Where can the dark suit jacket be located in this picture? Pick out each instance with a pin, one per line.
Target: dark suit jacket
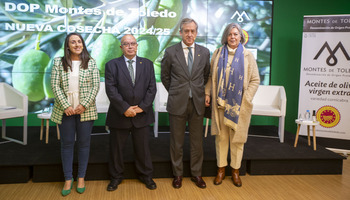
(122, 94)
(178, 81)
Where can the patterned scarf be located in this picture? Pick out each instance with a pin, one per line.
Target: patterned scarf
(230, 91)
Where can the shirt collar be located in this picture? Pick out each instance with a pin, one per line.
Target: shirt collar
(184, 46)
(126, 59)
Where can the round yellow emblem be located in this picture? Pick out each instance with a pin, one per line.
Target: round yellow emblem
(328, 116)
(246, 35)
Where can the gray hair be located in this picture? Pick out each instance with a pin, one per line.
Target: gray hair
(228, 30)
(186, 21)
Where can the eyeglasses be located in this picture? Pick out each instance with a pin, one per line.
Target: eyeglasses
(129, 44)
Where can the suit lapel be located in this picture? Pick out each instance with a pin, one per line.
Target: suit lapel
(181, 58)
(139, 68)
(196, 58)
(81, 75)
(124, 68)
(65, 78)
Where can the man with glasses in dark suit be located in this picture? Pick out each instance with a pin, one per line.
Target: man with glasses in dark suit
(131, 88)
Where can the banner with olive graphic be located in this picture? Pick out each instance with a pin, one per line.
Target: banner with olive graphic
(324, 87)
(32, 34)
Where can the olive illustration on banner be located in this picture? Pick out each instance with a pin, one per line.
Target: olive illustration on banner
(27, 74)
(106, 48)
(170, 6)
(148, 47)
(47, 76)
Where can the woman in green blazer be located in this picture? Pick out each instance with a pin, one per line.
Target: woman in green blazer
(75, 81)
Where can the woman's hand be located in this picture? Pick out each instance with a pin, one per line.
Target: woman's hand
(69, 111)
(207, 100)
(79, 109)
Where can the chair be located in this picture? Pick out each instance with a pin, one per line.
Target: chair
(271, 100)
(102, 101)
(160, 102)
(13, 104)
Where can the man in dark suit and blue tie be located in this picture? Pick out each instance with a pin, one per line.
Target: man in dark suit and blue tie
(184, 72)
(131, 88)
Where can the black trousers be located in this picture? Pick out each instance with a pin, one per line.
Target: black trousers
(143, 161)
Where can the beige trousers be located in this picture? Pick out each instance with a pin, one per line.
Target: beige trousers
(223, 142)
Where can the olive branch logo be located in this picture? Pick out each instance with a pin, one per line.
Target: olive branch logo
(332, 53)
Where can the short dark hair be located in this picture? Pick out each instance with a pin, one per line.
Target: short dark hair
(227, 31)
(186, 21)
(66, 59)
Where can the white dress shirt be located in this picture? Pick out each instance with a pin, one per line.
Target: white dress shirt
(184, 47)
(133, 64)
(73, 90)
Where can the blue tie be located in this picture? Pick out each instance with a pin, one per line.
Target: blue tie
(190, 63)
(190, 59)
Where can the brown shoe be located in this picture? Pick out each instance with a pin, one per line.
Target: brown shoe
(177, 182)
(220, 176)
(235, 178)
(199, 181)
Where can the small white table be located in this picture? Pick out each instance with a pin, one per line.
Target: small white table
(308, 123)
(46, 116)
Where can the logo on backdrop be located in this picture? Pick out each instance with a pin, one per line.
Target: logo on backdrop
(240, 16)
(332, 60)
(246, 36)
(328, 116)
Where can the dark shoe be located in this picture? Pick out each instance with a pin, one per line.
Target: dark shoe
(220, 176)
(177, 182)
(198, 181)
(113, 185)
(66, 192)
(150, 184)
(235, 178)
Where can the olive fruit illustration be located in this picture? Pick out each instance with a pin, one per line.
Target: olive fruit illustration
(170, 6)
(106, 48)
(148, 47)
(47, 76)
(27, 74)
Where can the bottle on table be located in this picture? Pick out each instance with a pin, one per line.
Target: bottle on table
(51, 108)
(307, 115)
(314, 119)
(48, 110)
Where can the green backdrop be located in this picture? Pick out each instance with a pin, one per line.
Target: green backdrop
(286, 54)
